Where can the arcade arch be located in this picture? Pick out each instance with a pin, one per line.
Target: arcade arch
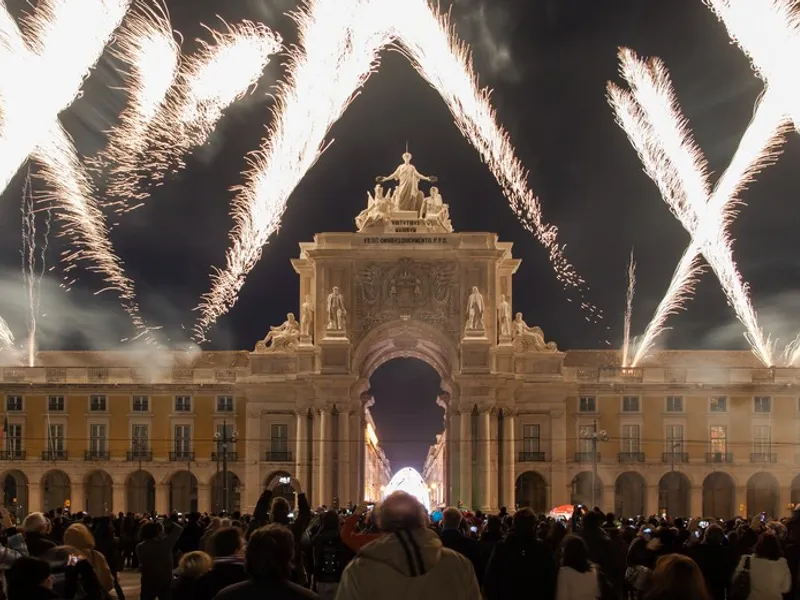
(99, 493)
(183, 492)
(234, 489)
(763, 495)
(15, 492)
(719, 495)
(56, 489)
(629, 494)
(532, 492)
(674, 494)
(582, 489)
(141, 492)
(283, 485)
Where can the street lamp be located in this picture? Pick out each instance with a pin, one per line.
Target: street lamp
(595, 437)
(222, 449)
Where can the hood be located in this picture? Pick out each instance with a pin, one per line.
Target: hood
(403, 551)
(79, 536)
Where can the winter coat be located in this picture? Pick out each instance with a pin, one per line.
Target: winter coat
(253, 589)
(408, 565)
(225, 571)
(79, 537)
(573, 585)
(520, 562)
(769, 579)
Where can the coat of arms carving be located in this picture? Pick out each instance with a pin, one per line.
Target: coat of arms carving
(404, 290)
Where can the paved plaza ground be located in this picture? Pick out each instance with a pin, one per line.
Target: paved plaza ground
(129, 580)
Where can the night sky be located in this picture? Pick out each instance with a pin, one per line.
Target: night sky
(548, 62)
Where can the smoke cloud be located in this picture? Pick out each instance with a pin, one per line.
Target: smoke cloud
(485, 26)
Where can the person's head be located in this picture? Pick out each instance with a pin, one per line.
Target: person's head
(406, 157)
(768, 546)
(401, 510)
(226, 541)
(226, 522)
(574, 554)
(28, 573)
(290, 317)
(451, 518)
(279, 512)
(214, 524)
(150, 531)
(79, 536)
(713, 535)
(677, 576)
(269, 553)
(592, 520)
(524, 522)
(747, 539)
(194, 564)
(330, 521)
(35, 522)
(494, 524)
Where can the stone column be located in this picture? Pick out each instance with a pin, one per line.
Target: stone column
(77, 497)
(343, 440)
(696, 500)
(301, 449)
(651, 506)
(322, 460)
(119, 498)
(740, 501)
(465, 466)
(35, 499)
(162, 498)
(204, 497)
(252, 471)
(452, 437)
(560, 491)
(509, 460)
(484, 459)
(494, 460)
(357, 458)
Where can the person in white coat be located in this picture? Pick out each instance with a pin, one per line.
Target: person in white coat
(578, 578)
(769, 572)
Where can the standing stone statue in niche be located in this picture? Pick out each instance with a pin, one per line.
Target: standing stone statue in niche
(337, 314)
(475, 308)
(407, 195)
(504, 318)
(306, 317)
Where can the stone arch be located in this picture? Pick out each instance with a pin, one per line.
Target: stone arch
(763, 494)
(140, 489)
(283, 485)
(99, 493)
(795, 491)
(719, 495)
(531, 490)
(183, 492)
(582, 489)
(15, 492)
(674, 494)
(217, 488)
(630, 492)
(56, 490)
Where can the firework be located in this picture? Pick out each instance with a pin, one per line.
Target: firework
(650, 116)
(6, 337)
(338, 51)
(65, 38)
(626, 342)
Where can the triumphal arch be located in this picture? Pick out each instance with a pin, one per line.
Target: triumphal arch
(404, 284)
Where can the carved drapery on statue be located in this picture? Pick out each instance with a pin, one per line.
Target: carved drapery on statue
(530, 339)
(337, 313)
(504, 319)
(475, 309)
(306, 319)
(406, 289)
(284, 337)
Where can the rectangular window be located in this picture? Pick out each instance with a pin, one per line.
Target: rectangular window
(762, 404)
(531, 440)
(140, 440)
(631, 440)
(675, 404)
(675, 444)
(56, 439)
(97, 404)
(55, 403)
(97, 439)
(183, 404)
(585, 444)
(630, 404)
(587, 404)
(13, 403)
(224, 431)
(14, 439)
(719, 439)
(225, 404)
(141, 404)
(279, 438)
(183, 440)
(718, 404)
(762, 439)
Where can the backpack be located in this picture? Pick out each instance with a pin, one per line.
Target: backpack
(741, 585)
(330, 558)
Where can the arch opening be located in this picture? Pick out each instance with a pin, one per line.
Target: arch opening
(531, 491)
(719, 496)
(629, 494)
(218, 492)
(183, 492)
(99, 493)
(763, 495)
(56, 490)
(141, 492)
(15, 493)
(582, 490)
(674, 494)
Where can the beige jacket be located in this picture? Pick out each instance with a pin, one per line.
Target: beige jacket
(389, 568)
(79, 537)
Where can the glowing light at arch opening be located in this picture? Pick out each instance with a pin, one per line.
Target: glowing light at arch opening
(410, 481)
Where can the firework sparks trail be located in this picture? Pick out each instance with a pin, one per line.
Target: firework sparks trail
(338, 51)
(64, 39)
(626, 341)
(34, 263)
(6, 337)
(650, 116)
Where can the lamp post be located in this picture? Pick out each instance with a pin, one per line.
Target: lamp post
(222, 448)
(595, 437)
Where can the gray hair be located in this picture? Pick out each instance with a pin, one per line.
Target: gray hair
(35, 522)
(401, 511)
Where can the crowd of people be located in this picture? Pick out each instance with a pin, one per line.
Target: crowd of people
(397, 550)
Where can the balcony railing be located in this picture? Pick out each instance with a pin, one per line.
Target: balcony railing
(12, 455)
(181, 456)
(54, 455)
(675, 457)
(587, 456)
(532, 457)
(719, 457)
(96, 455)
(143, 455)
(763, 457)
(283, 456)
(217, 456)
(631, 457)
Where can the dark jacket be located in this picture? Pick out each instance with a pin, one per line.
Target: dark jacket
(225, 571)
(519, 565)
(717, 563)
(263, 590)
(190, 537)
(330, 556)
(466, 547)
(37, 544)
(184, 588)
(603, 553)
(156, 556)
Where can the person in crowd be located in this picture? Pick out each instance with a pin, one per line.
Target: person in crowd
(30, 578)
(107, 543)
(205, 539)
(191, 534)
(577, 576)
(452, 538)
(74, 576)
(716, 560)
(677, 577)
(407, 561)
(155, 553)
(521, 562)
(601, 552)
(36, 527)
(769, 572)
(227, 552)
(268, 562)
(128, 533)
(191, 568)
(492, 534)
(79, 537)
(354, 539)
(330, 556)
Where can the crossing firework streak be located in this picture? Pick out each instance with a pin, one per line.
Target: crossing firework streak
(626, 336)
(6, 337)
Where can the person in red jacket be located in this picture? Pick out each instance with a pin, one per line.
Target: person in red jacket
(355, 540)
